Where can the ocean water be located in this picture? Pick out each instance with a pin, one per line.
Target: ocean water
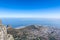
(19, 22)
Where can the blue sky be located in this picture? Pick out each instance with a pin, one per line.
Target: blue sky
(29, 8)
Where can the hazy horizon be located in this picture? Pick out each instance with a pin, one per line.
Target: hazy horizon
(20, 22)
(30, 12)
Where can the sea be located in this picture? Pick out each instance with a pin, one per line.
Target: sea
(20, 22)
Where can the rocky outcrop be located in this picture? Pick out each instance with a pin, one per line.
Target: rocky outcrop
(10, 37)
(3, 33)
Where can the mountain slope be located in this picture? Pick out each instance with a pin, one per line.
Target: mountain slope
(35, 32)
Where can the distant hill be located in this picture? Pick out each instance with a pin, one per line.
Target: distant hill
(35, 32)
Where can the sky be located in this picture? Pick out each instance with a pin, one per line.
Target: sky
(30, 9)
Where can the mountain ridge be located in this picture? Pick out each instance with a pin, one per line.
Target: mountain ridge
(35, 32)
